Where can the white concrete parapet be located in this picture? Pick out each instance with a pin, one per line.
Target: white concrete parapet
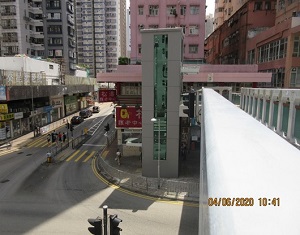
(245, 159)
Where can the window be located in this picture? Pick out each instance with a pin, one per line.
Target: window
(153, 10)
(267, 5)
(141, 10)
(54, 29)
(154, 26)
(182, 10)
(50, 66)
(171, 10)
(258, 6)
(193, 49)
(194, 30)
(296, 49)
(54, 16)
(194, 10)
(55, 41)
(53, 4)
(140, 48)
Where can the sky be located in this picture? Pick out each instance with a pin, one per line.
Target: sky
(210, 6)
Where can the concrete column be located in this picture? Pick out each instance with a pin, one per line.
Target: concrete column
(249, 104)
(242, 101)
(279, 118)
(258, 108)
(246, 103)
(271, 111)
(263, 116)
(253, 106)
(291, 122)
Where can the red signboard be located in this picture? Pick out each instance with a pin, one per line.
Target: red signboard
(128, 117)
(107, 95)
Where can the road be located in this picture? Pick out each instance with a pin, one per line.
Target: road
(41, 198)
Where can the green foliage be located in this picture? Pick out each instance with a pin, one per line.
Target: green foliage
(124, 61)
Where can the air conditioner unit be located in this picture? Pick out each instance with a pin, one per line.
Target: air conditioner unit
(141, 26)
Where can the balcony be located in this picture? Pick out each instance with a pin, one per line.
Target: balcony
(35, 10)
(71, 19)
(36, 34)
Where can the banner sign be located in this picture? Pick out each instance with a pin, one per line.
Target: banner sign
(107, 95)
(3, 108)
(128, 117)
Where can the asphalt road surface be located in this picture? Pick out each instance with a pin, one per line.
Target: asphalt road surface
(37, 197)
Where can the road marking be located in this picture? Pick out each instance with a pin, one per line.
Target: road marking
(152, 198)
(96, 145)
(35, 142)
(104, 154)
(92, 154)
(73, 155)
(80, 156)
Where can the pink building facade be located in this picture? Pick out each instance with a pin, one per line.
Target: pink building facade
(187, 14)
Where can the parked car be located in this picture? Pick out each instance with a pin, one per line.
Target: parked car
(85, 113)
(95, 109)
(76, 120)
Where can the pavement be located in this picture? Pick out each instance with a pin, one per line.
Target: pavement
(185, 187)
(129, 175)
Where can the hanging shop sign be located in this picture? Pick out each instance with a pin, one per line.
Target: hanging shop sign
(2, 93)
(3, 108)
(107, 95)
(128, 117)
(7, 116)
(18, 115)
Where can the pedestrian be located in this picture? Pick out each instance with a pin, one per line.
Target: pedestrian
(64, 137)
(49, 139)
(59, 136)
(118, 157)
(49, 156)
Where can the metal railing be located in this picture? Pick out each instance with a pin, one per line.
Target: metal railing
(169, 187)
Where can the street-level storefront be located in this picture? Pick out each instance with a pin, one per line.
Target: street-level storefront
(129, 131)
(71, 105)
(57, 108)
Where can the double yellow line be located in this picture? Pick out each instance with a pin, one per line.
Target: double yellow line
(164, 200)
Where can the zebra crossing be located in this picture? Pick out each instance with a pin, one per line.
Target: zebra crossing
(38, 143)
(79, 156)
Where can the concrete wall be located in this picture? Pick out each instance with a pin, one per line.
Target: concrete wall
(168, 167)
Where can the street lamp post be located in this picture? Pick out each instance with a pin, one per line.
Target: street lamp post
(158, 157)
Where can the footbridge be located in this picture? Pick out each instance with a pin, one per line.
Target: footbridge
(250, 164)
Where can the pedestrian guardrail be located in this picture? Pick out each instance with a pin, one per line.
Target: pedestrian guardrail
(169, 187)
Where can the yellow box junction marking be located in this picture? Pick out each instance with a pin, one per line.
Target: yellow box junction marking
(80, 156)
(92, 154)
(73, 155)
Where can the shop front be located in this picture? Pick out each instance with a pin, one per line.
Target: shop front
(71, 105)
(57, 108)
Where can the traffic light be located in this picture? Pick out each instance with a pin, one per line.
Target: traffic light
(71, 127)
(114, 222)
(106, 127)
(68, 125)
(190, 104)
(97, 226)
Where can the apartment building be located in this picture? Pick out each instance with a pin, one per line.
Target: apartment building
(38, 28)
(152, 14)
(15, 30)
(101, 34)
(266, 33)
(224, 9)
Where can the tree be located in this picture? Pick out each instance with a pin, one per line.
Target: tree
(124, 61)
